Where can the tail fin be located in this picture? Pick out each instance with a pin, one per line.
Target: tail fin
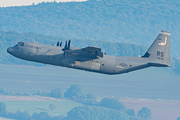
(159, 52)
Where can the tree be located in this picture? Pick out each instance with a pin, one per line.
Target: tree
(35, 115)
(60, 117)
(56, 93)
(52, 107)
(41, 116)
(3, 110)
(91, 96)
(74, 91)
(144, 113)
(131, 112)
(96, 113)
(39, 92)
(11, 92)
(22, 115)
(2, 91)
(113, 104)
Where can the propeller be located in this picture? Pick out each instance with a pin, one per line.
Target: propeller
(66, 47)
(69, 42)
(58, 43)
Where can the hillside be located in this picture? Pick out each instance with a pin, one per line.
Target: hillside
(132, 21)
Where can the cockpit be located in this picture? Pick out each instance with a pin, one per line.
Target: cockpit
(20, 44)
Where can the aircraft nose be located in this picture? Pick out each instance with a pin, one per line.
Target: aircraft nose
(10, 50)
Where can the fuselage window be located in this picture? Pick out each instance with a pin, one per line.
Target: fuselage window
(20, 44)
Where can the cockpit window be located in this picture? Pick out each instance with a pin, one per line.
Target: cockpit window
(20, 44)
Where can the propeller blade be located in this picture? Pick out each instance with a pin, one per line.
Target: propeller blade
(69, 42)
(65, 47)
(58, 43)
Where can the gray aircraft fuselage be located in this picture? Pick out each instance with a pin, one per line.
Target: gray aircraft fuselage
(54, 55)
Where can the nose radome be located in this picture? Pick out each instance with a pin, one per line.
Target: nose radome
(9, 50)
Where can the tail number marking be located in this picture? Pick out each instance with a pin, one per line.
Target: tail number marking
(160, 55)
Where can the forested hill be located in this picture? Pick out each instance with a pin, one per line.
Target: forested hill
(130, 21)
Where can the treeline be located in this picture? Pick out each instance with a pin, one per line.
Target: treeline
(25, 115)
(132, 21)
(74, 93)
(107, 112)
(113, 20)
(106, 109)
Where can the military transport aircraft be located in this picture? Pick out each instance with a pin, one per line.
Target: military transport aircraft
(92, 59)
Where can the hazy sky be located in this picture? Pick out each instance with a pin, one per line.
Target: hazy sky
(6, 3)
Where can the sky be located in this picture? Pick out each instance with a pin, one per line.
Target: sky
(8, 3)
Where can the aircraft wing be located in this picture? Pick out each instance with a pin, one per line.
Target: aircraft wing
(93, 51)
(90, 52)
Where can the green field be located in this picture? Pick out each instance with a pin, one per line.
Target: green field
(41, 106)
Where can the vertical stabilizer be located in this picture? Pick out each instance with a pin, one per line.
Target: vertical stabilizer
(159, 52)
